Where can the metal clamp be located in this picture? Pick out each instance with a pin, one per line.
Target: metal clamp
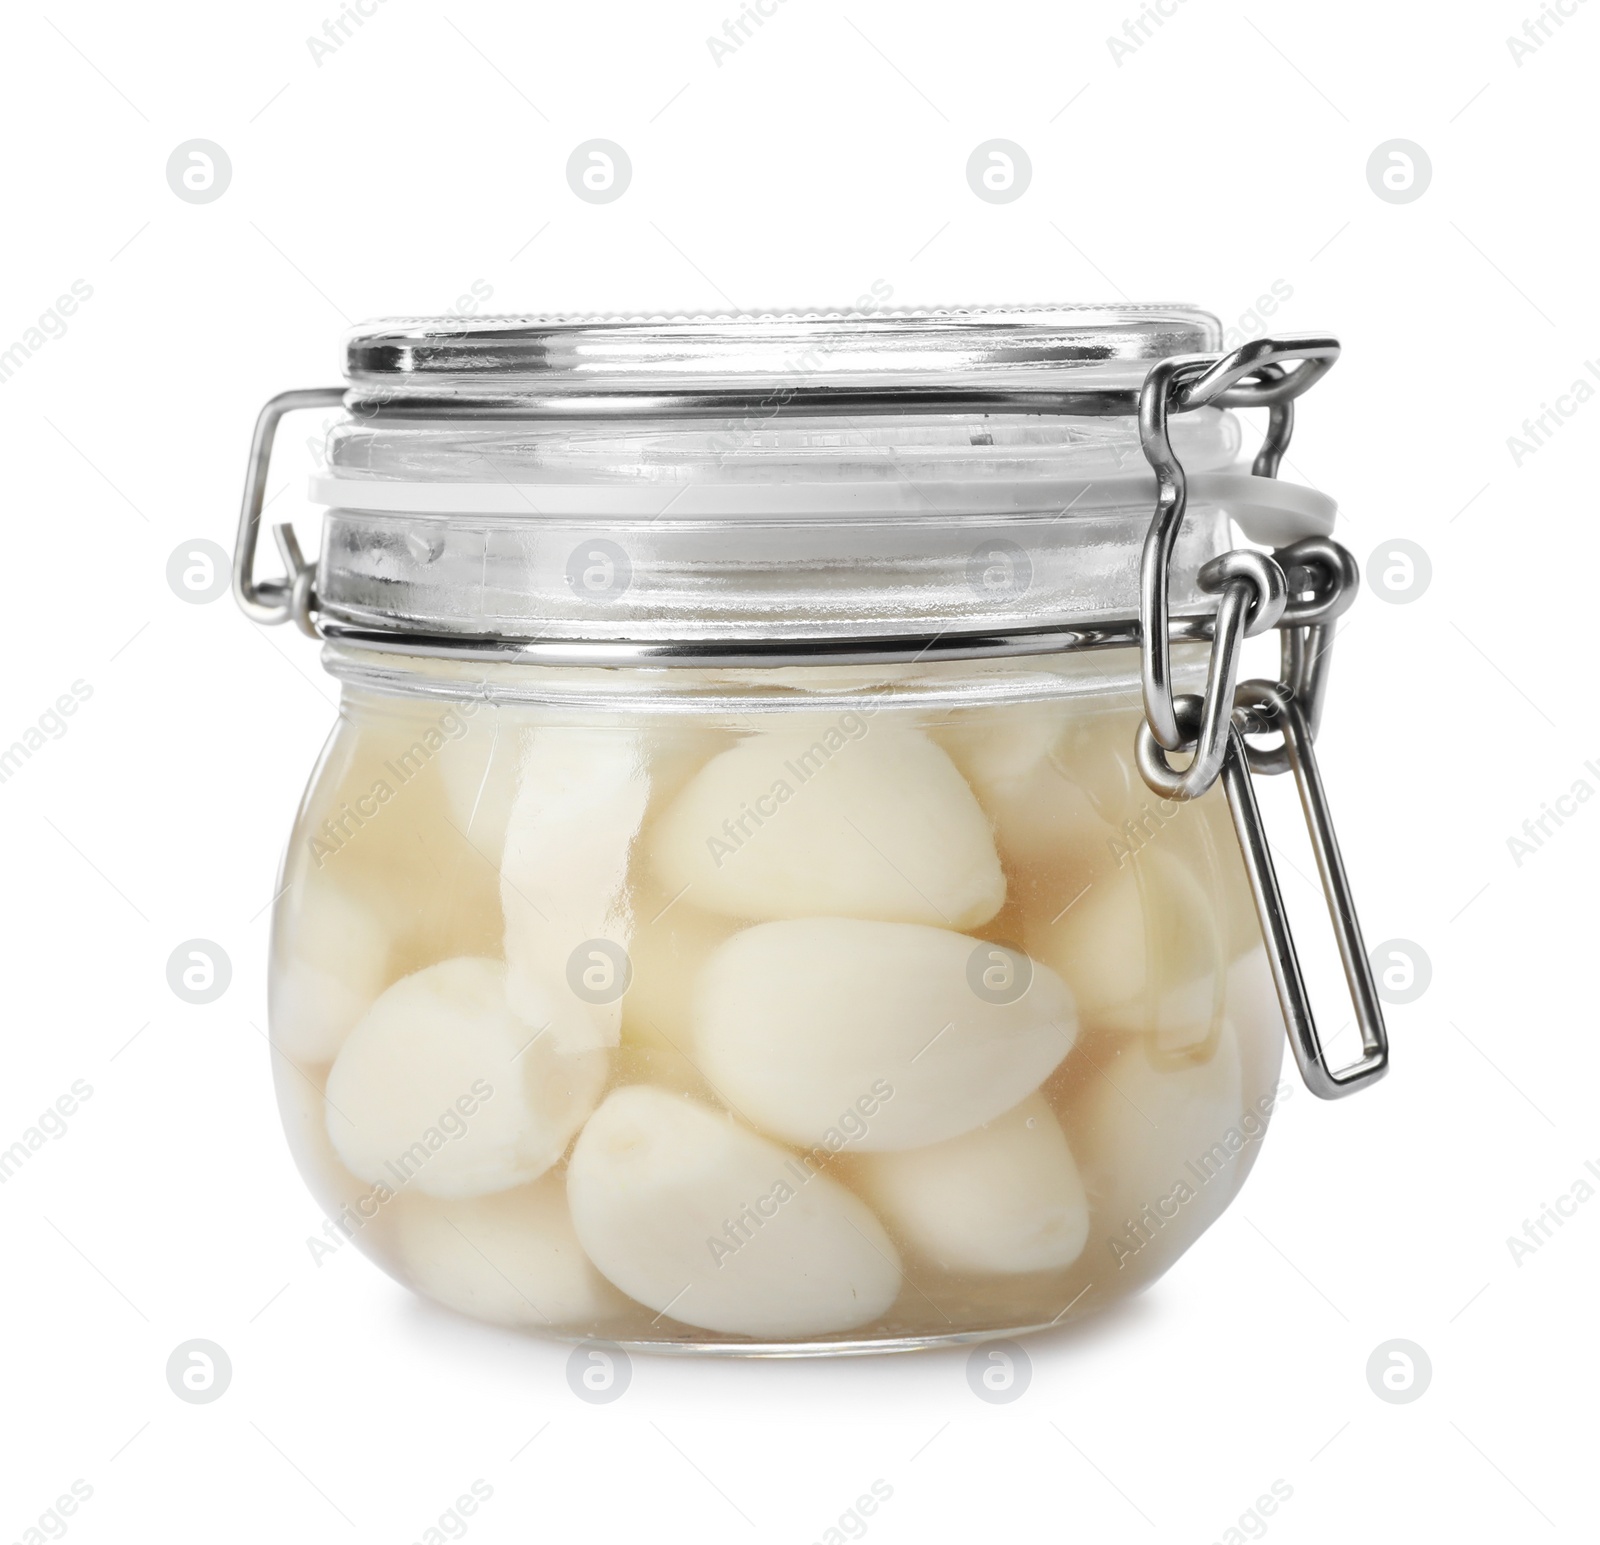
(1254, 593)
(1322, 577)
(1316, 580)
(271, 601)
(1271, 373)
(1267, 705)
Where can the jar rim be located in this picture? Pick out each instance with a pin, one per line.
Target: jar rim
(583, 365)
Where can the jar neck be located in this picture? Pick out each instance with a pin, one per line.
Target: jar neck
(1111, 676)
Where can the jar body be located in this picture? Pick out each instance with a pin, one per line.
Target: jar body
(803, 1012)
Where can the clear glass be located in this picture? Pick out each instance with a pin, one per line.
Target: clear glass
(765, 1011)
(755, 528)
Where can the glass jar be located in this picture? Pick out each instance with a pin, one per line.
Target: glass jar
(732, 912)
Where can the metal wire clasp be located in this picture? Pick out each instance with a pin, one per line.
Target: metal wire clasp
(1270, 373)
(1265, 705)
(1302, 589)
(271, 601)
(1254, 594)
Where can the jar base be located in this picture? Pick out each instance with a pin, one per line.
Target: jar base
(866, 1346)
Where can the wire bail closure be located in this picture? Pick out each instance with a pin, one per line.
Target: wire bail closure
(1303, 588)
(1254, 594)
(273, 601)
(1283, 712)
(1267, 373)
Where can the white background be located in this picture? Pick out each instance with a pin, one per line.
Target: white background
(1225, 153)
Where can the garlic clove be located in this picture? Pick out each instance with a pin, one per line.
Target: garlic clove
(580, 797)
(1163, 1143)
(699, 1218)
(357, 1209)
(844, 1033)
(671, 942)
(377, 824)
(511, 1258)
(1005, 1197)
(851, 820)
(1141, 949)
(1044, 818)
(442, 1088)
(332, 960)
(1257, 1018)
(478, 771)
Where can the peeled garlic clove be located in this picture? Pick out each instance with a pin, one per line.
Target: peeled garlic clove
(442, 1088)
(1004, 1198)
(581, 794)
(1098, 747)
(354, 1206)
(377, 824)
(511, 1258)
(838, 1032)
(332, 956)
(670, 944)
(1097, 753)
(1163, 1143)
(1205, 837)
(854, 819)
(478, 770)
(699, 1218)
(1042, 814)
(1141, 951)
(994, 747)
(1257, 1019)
(1199, 835)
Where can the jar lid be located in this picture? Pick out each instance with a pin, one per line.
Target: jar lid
(865, 484)
(662, 365)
